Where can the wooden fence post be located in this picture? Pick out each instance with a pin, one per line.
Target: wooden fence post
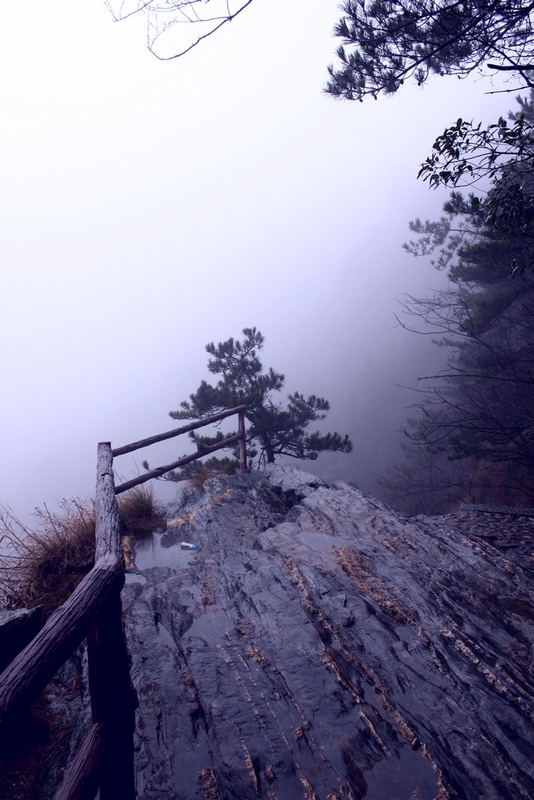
(113, 698)
(94, 610)
(82, 779)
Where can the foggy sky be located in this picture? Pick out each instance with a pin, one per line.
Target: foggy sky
(151, 207)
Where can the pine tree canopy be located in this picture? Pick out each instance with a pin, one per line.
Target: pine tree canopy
(386, 43)
(276, 430)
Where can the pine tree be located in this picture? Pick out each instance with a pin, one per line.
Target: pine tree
(276, 430)
(389, 42)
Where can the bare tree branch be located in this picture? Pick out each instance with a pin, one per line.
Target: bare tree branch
(175, 27)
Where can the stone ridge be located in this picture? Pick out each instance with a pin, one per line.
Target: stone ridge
(319, 646)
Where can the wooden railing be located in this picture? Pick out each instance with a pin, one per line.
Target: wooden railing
(240, 437)
(93, 612)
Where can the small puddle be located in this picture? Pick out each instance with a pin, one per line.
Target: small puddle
(149, 552)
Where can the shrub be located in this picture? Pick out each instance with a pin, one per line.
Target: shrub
(198, 472)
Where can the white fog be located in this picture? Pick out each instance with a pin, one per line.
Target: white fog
(152, 207)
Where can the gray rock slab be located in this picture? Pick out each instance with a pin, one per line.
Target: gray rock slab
(328, 648)
(17, 629)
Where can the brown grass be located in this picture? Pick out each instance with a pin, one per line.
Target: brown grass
(139, 510)
(44, 563)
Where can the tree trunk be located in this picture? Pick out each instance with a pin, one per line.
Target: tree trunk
(267, 446)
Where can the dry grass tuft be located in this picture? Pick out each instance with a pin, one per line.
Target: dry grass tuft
(44, 563)
(139, 510)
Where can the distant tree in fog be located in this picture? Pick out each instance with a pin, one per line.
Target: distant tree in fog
(474, 430)
(385, 44)
(479, 407)
(427, 481)
(276, 429)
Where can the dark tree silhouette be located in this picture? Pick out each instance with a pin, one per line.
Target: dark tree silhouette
(277, 430)
(478, 408)
(386, 43)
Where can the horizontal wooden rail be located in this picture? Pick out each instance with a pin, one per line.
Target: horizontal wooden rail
(93, 611)
(129, 448)
(159, 471)
(30, 672)
(203, 450)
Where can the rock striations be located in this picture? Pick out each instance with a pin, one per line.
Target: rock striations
(320, 647)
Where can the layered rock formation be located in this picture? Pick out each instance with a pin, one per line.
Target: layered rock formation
(320, 647)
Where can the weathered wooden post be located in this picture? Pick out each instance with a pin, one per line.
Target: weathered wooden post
(113, 698)
(106, 758)
(242, 441)
(28, 674)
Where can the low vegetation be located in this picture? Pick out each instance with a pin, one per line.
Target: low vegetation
(198, 472)
(43, 563)
(139, 510)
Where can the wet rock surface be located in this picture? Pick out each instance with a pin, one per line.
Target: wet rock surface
(319, 646)
(17, 628)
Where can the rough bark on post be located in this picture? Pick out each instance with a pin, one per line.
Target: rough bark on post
(107, 524)
(29, 673)
(83, 776)
(113, 699)
(107, 754)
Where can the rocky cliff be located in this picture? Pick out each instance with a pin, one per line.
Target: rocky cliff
(320, 647)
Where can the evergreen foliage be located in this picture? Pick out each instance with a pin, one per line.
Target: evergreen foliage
(276, 430)
(387, 42)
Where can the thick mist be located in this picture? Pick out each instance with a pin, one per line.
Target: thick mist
(151, 207)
